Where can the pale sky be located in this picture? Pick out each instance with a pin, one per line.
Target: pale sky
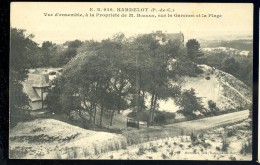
(236, 19)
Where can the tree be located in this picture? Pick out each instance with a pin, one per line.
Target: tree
(230, 65)
(150, 61)
(185, 68)
(238, 66)
(70, 51)
(94, 75)
(120, 81)
(53, 97)
(212, 107)
(22, 50)
(49, 53)
(193, 49)
(104, 73)
(190, 103)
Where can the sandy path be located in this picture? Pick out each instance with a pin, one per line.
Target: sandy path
(211, 122)
(184, 128)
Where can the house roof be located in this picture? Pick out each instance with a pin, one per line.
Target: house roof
(169, 36)
(35, 81)
(174, 36)
(30, 91)
(38, 80)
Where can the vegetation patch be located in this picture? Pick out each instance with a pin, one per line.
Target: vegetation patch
(43, 138)
(246, 147)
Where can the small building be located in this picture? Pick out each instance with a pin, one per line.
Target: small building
(36, 87)
(165, 37)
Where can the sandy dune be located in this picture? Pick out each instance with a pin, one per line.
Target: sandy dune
(52, 139)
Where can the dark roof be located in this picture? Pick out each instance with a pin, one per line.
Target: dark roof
(174, 36)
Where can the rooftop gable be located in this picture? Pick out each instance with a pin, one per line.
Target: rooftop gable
(30, 91)
(38, 80)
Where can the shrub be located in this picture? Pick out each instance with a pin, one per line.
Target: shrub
(225, 144)
(37, 130)
(164, 156)
(206, 145)
(213, 107)
(189, 103)
(193, 137)
(19, 115)
(207, 78)
(246, 147)
(164, 117)
(18, 154)
(143, 115)
(141, 150)
(186, 68)
(72, 154)
(171, 153)
(153, 149)
(160, 119)
(201, 137)
(231, 132)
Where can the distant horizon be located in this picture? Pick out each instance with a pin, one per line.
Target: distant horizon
(202, 38)
(32, 16)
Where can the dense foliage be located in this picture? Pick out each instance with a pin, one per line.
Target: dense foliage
(190, 104)
(105, 75)
(193, 50)
(21, 58)
(164, 117)
(239, 66)
(112, 75)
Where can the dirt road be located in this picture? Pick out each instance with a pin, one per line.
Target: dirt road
(183, 128)
(211, 122)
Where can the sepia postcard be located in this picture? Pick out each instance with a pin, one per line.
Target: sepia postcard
(131, 81)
